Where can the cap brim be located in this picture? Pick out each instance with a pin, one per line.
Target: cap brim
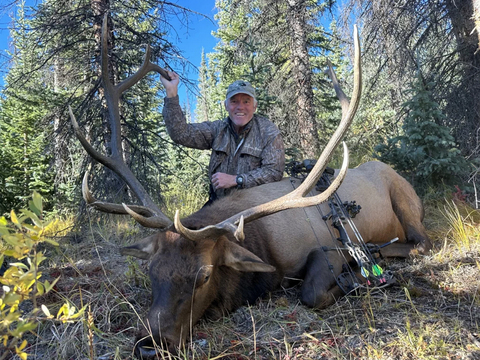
(239, 92)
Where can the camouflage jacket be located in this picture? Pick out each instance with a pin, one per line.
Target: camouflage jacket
(257, 154)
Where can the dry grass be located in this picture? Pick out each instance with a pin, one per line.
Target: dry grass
(431, 313)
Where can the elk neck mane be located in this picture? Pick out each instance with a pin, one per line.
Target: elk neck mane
(243, 287)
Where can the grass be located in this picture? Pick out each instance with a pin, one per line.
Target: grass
(186, 201)
(433, 312)
(463, 226)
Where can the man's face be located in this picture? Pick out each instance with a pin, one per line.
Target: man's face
(241, 108)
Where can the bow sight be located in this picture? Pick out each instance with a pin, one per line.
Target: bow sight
(366, 256)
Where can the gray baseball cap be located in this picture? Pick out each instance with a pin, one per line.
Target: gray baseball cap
(240, 87)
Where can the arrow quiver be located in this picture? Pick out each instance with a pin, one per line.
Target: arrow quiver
(365, 256)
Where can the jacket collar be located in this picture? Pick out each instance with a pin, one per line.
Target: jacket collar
(244, 131)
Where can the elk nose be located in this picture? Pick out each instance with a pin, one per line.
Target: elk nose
(147, 349)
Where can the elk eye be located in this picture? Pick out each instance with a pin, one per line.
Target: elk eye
(202, 280)
(207, 272)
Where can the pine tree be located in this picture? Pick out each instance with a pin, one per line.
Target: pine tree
(210, 100)
(25, 165)
(425, 153)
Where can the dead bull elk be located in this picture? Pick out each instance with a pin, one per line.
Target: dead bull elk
(242, 246)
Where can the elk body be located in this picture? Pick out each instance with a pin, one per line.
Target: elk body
(216, 275)
(242, 246)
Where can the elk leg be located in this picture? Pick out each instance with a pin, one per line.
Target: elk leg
(419, 236)
(399, 250)
(410, 212)
(317, 290)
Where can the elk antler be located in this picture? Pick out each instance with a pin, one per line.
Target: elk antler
(297, 197)
(115, 162)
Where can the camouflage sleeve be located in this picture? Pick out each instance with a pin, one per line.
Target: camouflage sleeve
(272, 164)
(198, 136)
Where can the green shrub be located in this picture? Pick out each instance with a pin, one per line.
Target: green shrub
(20, 239)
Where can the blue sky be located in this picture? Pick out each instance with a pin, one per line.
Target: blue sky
(191, 40)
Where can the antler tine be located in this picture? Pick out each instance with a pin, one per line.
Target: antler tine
(115, 162)
(146, 67)
(138, 214)
(112, 208)
(338, 90)
(86, 145)
(297, 197)
(208, 231)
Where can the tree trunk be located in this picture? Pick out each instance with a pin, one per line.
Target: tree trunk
(307, 125)
(464, 101)
(476, 19)
(58, 150)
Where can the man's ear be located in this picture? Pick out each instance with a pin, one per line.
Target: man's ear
(145, 248)
(225, 103)
(241, 259)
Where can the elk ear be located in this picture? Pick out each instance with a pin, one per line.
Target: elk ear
(241, 259)
(145, 248)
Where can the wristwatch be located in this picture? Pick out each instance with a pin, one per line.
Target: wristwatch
(240, 182)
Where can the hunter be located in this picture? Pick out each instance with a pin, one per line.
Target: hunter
(247, 149)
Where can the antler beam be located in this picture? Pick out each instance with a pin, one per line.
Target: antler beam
(115, 162)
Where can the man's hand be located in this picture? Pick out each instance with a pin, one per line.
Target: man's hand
(223, 181)
(171, 87)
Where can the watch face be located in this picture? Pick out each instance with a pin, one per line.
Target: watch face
(239, 180)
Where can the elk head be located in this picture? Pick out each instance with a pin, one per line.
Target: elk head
(188, 262)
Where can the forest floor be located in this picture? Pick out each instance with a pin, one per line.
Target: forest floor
(431, 312)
